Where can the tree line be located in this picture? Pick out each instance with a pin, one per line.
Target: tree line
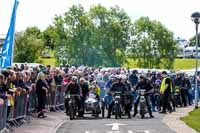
(100, 37)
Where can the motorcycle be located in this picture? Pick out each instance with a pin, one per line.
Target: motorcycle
(117, 105)
(92, 105)
(72, 105)
(177, 97)
(142, 103)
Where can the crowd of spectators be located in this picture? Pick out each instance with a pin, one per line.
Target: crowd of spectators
(49, 83)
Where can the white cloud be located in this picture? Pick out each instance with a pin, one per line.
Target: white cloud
(174, 14)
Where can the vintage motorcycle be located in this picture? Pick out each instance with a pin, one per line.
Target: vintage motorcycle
(92, 105)
(142, 103)
(117, 104)
(72, 107)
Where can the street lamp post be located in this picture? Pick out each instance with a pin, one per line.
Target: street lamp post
(196, 18)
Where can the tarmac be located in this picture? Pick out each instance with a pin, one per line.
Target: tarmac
(55, 120)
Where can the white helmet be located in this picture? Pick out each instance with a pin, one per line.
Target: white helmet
(118, 77)
(124, 77)
(74, 78)
(111, 77)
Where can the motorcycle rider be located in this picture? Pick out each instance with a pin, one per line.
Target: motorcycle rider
(143, 84)
(157, 85)
(85, 89)
(73, 88)
(128, 97)
(96, 88)
(189, 88)
(185, 90)
(151, 78)
(93, 94)
(118, 86)
(179, 84)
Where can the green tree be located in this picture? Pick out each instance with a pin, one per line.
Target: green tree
(28, 46)
(49, 36)
(79, 31)
(75, 31)
(111, 33)
(193, 40)
(154, 45)
(33, 31)
(101, 37)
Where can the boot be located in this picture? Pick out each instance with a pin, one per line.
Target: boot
(134, 114)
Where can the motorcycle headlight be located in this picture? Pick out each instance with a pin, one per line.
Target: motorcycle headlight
(142, 93)
(142, 98)
(117, 96)
(70, 101)
(67, 96)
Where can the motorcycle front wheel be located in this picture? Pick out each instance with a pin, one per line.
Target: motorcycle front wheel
(71, 113)
(117, 111)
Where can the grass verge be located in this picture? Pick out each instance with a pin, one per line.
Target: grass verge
(179, 64)
(48, 61)
(193, 119)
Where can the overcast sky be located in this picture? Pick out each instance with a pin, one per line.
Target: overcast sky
(174, 14)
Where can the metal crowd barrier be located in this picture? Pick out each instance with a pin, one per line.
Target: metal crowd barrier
(32, 102)
(55, 98)
(60, 97)
(18, 112)
(3, 115)
(25, 104)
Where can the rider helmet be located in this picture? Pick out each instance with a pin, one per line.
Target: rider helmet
(111, 77)
(118, 77)
(124, 77)
(74, 78)
(142, 76)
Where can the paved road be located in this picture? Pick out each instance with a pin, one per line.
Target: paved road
(134, 125)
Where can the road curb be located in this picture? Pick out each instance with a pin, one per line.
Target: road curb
(58, 126)
(173, 121)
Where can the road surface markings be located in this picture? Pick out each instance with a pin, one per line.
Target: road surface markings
(113, 131)
(115, 126)
(90, 131)
(129, 131)
(145, 131)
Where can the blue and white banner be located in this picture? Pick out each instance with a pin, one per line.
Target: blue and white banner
(7, 49)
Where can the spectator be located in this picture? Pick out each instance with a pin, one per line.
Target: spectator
(41, 90)
(133, 79)
(3, 88)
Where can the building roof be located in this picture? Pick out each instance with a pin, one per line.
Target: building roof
(2, 37)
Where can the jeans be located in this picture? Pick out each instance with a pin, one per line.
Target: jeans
(190, 96)
(153, 101)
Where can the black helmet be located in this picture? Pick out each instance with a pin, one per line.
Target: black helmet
(142, 76)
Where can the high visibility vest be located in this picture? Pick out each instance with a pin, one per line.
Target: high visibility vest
(162, 88)
(97, 90)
